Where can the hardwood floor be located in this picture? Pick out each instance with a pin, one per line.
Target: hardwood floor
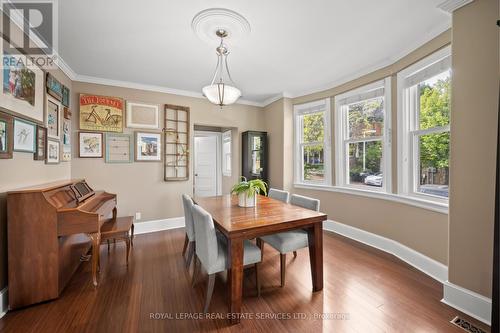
(364, 291)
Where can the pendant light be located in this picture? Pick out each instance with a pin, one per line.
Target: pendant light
(219, 92)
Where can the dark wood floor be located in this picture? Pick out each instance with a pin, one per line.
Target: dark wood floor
(365, 291)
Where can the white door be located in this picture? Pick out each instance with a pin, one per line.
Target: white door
(206, 164)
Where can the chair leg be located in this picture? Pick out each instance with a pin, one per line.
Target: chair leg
(210, 291)
(195, 270)
(132, 235)
(260, 245)
(190, 251)
(257, 280)
(295, 254)
(283, 267)
(127, 242)
(186, 241)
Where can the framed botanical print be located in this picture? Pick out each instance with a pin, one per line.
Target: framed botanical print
(54, 87)
(90, 145)
(119, 148)
(66, 153)
(53, 118)
(41, 144)
(22, 91)
(147, 146)
(53, 151)
(24, 136)
(142, 115)
(65, 96)
(101, 113)
(6, 136)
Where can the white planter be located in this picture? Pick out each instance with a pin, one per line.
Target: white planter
(245, 201)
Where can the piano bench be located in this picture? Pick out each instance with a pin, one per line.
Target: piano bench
(121, 228)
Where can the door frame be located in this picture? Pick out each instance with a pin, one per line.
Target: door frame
(218, 136)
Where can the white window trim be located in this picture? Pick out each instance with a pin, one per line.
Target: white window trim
(226, 137)
(301, 109)
(341, 130)
(407, 169)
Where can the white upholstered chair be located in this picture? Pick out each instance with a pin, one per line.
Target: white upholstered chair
(189, 240)
(211, 252)
(289, 241)
(278, 195)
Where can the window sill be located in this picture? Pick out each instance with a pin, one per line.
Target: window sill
(438, 207)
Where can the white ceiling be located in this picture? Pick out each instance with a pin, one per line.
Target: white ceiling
(295, 46)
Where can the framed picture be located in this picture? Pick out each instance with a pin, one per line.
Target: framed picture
(41, 144)
(67, 113)
(66, 153)
(53, 151)
(24, 136)
(52, 119)
(66, 132)
(65, 96)
(176, 139)
(147, 146)
(119, 148)
(54, 87)
(142, 115)
(22, 92)
(90, 145)
(6, 136)
(101, 113)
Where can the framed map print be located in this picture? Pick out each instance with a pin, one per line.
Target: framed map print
(54, 87)
(53, 118)
(90, 144)
(22, 91)
(101, 113)
(119, 148)
(6, 135)
(65, 96)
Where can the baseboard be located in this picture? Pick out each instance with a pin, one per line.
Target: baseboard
(473, 304)
(429, 266)
(158, 225)
(4, 302)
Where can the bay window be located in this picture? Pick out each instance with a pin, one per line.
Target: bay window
(362, 118)
(312, 142)
(424, 138)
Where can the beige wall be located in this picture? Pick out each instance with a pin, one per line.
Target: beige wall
(139, 185)
(475, 46)
(422, 230)
(21, 171)
(274, 120)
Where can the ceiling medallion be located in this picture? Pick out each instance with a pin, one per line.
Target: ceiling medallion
(209, 20)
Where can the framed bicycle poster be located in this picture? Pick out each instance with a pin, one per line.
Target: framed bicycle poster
(101, 113)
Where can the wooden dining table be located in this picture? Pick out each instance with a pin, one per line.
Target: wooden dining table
(267, 217)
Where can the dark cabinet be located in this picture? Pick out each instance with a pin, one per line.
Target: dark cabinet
(254, 151)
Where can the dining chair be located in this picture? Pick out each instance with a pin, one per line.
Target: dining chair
(212, 253)
(189, 240)
(278, 195)
(289, 241)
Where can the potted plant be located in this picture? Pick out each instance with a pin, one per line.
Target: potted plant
(247, 191)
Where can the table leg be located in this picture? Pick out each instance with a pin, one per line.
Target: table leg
(235, 278)
(315, 238)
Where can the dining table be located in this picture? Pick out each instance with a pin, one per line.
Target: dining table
(269, 216)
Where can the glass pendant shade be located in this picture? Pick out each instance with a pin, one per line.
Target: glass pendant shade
(221, 94)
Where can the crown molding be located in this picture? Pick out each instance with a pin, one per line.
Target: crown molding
(450, 6)
(149, 87)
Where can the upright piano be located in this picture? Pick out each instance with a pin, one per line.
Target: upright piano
(49, 228)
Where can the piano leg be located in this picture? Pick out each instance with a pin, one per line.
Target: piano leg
(96, 241)
(114, 213)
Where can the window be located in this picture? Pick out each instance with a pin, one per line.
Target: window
(362, 118)
(312, 142)
(226, 153)
(424, 113)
